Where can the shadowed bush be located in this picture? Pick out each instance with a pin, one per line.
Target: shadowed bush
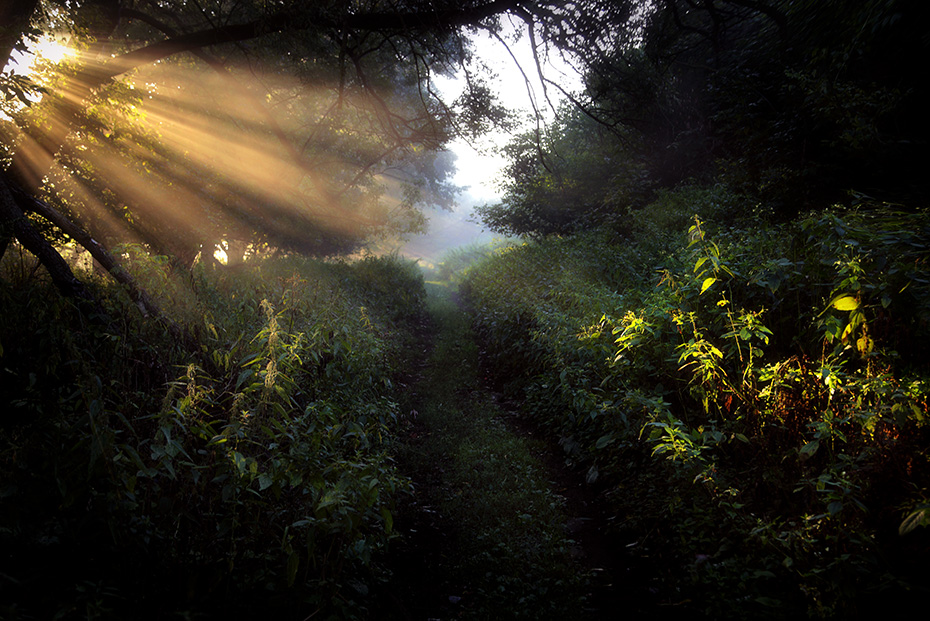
(248, 464)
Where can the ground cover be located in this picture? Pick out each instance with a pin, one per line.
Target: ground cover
(485, 531)
(753, 398)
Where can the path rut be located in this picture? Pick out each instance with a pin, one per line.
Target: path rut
(498, 527)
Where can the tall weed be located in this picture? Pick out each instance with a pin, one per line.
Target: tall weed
(758, 395)
(249, 463)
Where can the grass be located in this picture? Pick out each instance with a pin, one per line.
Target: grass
(505, 554)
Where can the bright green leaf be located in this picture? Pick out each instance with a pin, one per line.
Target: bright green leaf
(707, 283)
(846, 303)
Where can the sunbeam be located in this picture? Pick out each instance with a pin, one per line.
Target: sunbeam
(180, 154)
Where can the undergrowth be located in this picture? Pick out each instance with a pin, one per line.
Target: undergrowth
(244, 466)
(756, 399)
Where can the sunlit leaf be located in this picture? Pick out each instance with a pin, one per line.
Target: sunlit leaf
(846, 303)
(864, 345)
(707, 283)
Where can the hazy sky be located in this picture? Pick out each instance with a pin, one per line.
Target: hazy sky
(479, 169)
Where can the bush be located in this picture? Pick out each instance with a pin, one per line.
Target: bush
(755, 395)
(248, 463)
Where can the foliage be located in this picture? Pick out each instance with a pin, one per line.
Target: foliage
(753, 398)
(791, 103)
(253, 457)
(455, 263)
(567, 178)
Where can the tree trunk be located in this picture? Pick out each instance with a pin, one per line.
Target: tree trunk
(97, 251)
(14, 222)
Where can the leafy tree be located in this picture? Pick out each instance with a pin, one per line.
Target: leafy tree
(566, 178)
(370, 65)
(792, 103)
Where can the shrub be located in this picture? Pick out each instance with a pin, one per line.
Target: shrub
(248, 462)
(755, 394)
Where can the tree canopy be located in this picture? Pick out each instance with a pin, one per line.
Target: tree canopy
(286, 125)
(795, 103)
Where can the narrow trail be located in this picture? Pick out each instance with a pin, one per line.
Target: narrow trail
(498, 527)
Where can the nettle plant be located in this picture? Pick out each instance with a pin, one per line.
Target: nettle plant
(818, 427)
(286, 439)
(771, 385)
(265, 465)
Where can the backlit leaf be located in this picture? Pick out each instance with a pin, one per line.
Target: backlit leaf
(846, 303)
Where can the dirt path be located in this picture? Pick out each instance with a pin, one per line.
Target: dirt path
(497, 528)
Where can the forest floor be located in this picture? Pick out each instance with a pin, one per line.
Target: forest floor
(497, 527)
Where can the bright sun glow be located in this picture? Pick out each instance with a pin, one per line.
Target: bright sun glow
(206, 156)
(209, 155)
(47, 49)
(51, 49)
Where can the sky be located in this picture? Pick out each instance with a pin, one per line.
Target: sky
(478, 165)
(479, 169)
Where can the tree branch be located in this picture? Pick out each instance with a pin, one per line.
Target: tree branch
(97, 251)
(13, 221)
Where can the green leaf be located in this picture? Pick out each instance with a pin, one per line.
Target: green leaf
(264, 481)
(592, 474)
(809, 449)
(239, 460)
(293, 562)
(846, 303)
(330, 498)
(707, 283)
